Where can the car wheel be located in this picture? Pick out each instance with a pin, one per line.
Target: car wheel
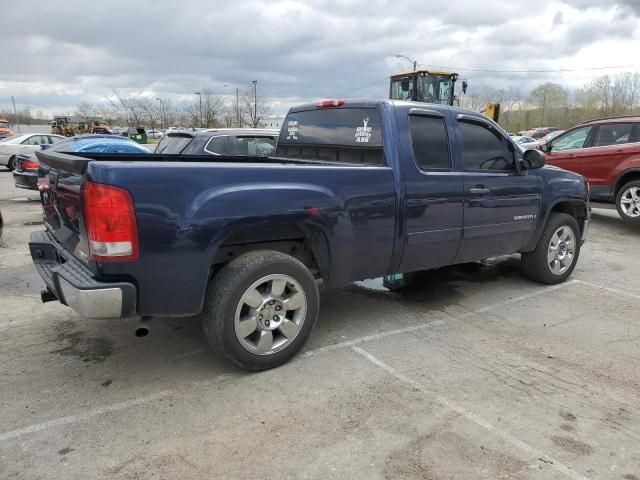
(628, 202)
(11, 164)
(260, 309)
(557, 251)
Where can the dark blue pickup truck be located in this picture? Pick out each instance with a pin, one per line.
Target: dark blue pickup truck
(356, 190)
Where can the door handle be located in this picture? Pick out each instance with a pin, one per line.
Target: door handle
(479, 190)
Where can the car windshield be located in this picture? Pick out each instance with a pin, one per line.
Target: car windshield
(4, 124)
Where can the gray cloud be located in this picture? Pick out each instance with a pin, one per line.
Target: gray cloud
(296, 51)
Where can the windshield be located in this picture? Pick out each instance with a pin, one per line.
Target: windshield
(4, 124)
(430, 88)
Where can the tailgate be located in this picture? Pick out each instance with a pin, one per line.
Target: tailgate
(61, 178)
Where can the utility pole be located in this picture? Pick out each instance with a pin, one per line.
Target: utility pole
(200, 97)
(255, 103)
(15, 113)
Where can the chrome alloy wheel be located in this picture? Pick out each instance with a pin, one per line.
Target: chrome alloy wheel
(630, 202)
(270, 314)
(562, 250)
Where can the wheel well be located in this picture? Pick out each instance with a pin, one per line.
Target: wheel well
(310, 247)
(626, 178)
(577, 210)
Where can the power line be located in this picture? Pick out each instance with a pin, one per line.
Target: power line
(559, 70)
(359, 88)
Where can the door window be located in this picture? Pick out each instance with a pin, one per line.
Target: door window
(430, 143)
(573, 140)
(218, 145)
(613, 134)
(484, 149)
(252, 146)
(36, 140)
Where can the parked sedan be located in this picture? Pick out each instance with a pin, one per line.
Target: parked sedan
(25, 174)
(10, 147)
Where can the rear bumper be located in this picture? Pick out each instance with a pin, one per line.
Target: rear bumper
(28, 181)
(73, 283)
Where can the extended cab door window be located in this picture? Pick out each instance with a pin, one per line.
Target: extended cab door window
(485, 149)
(343, 135)
(430, 142)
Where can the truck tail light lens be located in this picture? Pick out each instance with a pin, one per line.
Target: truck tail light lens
(29, 165)
(110, 220)
(329, 103)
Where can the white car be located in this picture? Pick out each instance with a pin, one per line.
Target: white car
(27, 143)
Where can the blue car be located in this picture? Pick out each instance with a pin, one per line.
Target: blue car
(25, 174)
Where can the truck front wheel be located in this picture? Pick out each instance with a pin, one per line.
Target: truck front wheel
(556, 254)
(260, 309)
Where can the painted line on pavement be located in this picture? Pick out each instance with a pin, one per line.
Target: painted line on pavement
(507, 437)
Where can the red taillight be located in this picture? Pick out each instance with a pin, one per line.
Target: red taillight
(329, 103)
(110, 220)
(29, 165)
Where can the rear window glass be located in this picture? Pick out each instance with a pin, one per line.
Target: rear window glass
(350, 135)
(173, 144)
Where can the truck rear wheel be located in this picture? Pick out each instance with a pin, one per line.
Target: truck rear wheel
(628, 202)
(556, 254)
(260, 309)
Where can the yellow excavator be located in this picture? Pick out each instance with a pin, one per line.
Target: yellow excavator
(433, 87)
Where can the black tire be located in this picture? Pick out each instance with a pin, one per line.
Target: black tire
(11, 164)
(621, 212)
(536, 265)
(224, 294)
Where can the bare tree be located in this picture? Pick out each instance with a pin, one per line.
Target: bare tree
(254, 108)
(86, 110)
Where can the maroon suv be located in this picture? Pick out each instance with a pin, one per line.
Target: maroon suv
(607, 152)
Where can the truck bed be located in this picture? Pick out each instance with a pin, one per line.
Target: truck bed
(189, 209)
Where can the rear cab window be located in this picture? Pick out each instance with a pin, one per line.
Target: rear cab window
(171, 144)
(343, 135)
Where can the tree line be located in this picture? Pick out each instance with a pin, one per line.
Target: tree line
(207, 110)
(553, 105)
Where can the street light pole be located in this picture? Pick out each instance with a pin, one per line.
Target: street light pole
(415, 64)
(200, 97)
(161, 113)
(15, 113)
(255, 103)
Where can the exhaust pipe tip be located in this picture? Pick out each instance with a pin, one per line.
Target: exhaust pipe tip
(47, 296)
(142, 332)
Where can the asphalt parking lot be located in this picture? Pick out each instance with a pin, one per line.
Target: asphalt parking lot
(474, 373)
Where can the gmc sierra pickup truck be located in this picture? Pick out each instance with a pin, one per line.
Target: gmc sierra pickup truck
(356, 190)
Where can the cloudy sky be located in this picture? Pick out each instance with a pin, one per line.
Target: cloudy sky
(57, 54)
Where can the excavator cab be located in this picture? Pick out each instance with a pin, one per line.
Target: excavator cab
(424, 86)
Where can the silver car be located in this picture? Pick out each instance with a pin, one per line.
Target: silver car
(10, 147)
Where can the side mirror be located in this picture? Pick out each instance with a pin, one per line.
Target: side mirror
(533, 159)
(545, 147)
(404, 83)
(464, 86)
